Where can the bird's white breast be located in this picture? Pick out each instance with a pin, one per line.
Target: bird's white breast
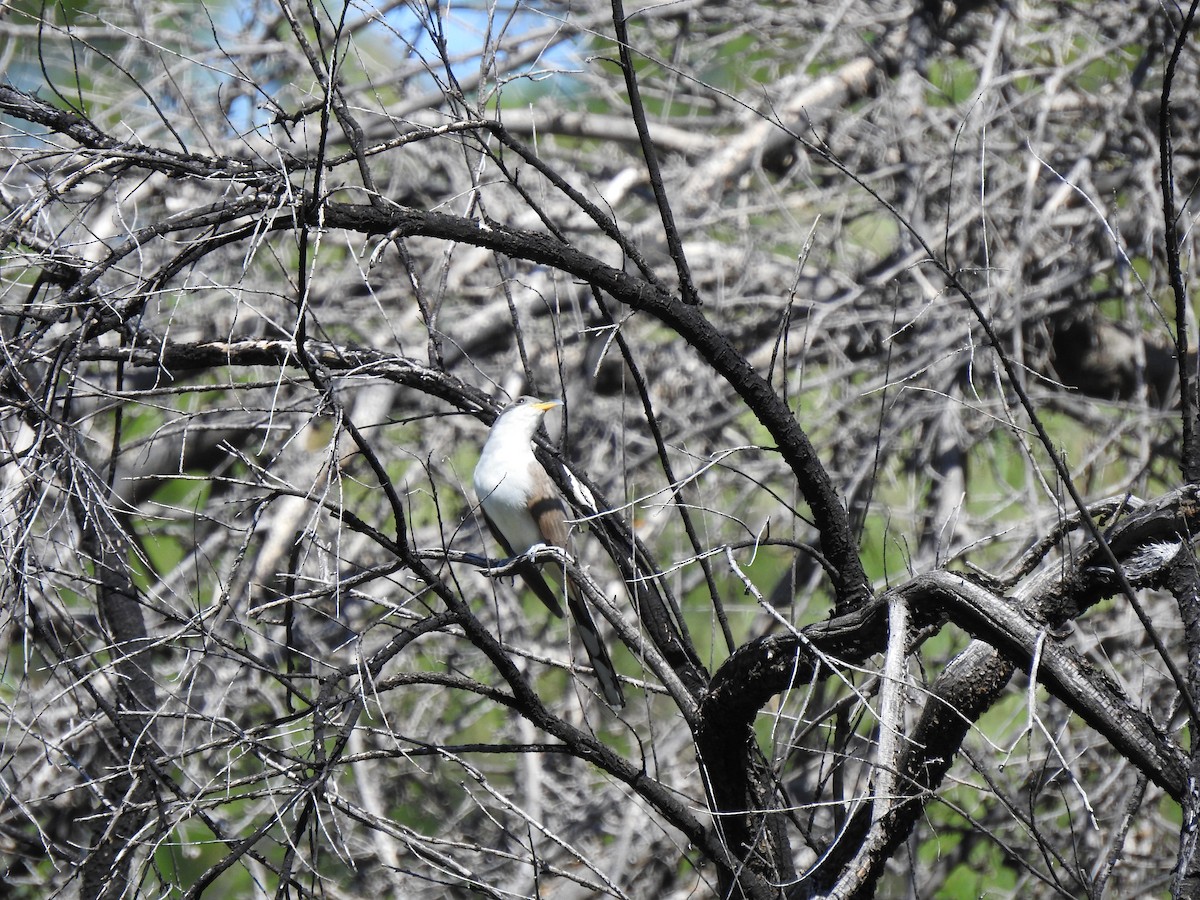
(503, 484)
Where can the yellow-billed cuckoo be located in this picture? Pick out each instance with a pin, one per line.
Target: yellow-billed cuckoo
(523, 508)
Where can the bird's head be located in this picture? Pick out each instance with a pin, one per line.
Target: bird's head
(525, 414)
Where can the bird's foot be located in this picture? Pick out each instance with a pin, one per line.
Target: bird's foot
(532, 553)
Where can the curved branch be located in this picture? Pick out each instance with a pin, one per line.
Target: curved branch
(1008, 638)
(851, 587)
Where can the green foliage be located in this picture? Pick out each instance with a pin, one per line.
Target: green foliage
(953, 81)
(985, 876)
(745, 62)
(193, 849)
(1170, 810)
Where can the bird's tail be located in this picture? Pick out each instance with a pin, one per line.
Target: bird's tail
(597, 653)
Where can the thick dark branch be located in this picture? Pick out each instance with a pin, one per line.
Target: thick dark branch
(771, 665)
(173, 358)
(1086, 690)
(33, 109)
(966, 689)
(1008, 638)
(1184, 583)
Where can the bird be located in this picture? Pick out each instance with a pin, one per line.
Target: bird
(522, 509)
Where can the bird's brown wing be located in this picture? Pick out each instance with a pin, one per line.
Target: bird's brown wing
(550, 514)
(528, 572)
